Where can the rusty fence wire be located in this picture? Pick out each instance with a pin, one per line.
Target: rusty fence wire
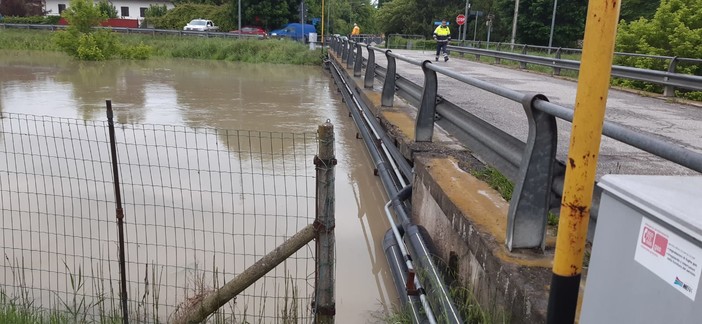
(200, 206)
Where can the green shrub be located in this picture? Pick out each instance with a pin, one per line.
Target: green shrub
(52, 20)
(156, 11)
(88, 49)
(137, 52)
(32, 20)
(83, 42)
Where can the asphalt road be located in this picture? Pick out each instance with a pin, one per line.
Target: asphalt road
(680, 124)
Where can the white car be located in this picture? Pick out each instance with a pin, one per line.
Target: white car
(200, 25)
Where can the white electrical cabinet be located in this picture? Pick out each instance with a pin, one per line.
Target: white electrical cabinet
(647, 252)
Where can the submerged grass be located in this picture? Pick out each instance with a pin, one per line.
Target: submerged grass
(244, 50)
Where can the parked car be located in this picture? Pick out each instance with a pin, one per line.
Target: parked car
(294, 31)
(252, 31)
(200, 25)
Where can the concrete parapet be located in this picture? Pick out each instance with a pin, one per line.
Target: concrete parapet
(466, 220)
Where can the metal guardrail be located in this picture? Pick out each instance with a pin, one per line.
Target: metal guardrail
(527, 47)
(532, 166)
(405, 40)
(669, 79)
(143, 31)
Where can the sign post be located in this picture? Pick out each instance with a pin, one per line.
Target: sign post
(461, 20)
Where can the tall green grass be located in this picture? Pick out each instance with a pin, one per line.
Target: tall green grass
(244, 50)
(90, 299)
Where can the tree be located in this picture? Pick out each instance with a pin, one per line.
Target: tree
(534, 23)
(634, 9)
(674, 30)
(13, 8)
(107, 9)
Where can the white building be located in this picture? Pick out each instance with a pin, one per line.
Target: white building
(128, 9)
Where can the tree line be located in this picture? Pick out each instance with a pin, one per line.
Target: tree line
(662, 27)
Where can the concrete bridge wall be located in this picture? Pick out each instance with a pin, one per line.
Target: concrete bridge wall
(465, 219)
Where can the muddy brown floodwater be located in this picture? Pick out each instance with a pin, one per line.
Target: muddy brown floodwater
(191, 94)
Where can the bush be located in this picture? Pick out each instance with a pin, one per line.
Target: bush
(52, 20)
(156, 11)
(32, 20)
(83, 42)
(137, 52)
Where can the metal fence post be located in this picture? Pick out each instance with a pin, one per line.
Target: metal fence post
(557, 70)
(523, 65)
(358, 63)
(120, 213)
(325, 163)
(388, 95)
(528, 209)
(370, 69)
(352, 55)
(497, 59)
(669, 90)
(424, 126)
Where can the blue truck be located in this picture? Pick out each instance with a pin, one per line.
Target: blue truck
(295, 31)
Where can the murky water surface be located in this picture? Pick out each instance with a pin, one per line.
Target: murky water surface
(208, 171)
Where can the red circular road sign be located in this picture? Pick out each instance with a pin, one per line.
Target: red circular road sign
(460, 19)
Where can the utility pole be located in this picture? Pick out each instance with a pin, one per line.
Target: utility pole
(553, 24)
(489, 24)
(465, 26)
(239, 20)
(475, 32)
(514, 21)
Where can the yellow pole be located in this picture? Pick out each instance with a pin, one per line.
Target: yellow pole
(581, 167)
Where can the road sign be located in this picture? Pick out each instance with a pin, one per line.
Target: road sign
(460, 20)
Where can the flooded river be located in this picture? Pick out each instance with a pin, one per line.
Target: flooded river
(204, 102)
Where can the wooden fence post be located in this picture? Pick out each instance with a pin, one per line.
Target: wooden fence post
(325, 162)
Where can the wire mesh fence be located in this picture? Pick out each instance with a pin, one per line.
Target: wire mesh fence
(200, 205)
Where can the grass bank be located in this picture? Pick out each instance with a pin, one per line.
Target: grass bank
(245, 50)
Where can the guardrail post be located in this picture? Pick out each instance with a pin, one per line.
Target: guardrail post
(388, 95)
(424, 126)
(351, 57)
(523, 65)
(370, 69)
(497, 59)
(557, 70)
(528, 209)
(344, 52)
(669, 90)
(358, 63)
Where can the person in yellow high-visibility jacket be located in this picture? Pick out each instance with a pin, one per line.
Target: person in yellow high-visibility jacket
(355, 32)
(442, 36)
